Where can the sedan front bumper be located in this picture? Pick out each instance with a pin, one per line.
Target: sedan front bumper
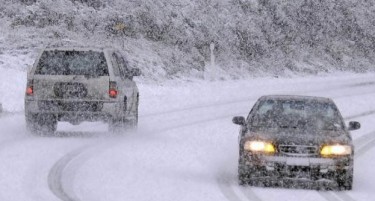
(302, 168)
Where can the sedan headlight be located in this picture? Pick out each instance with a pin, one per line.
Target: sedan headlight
(338, 150)
(259, 146)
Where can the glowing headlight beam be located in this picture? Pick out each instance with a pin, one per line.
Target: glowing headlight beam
(339, 150)
(259, 146)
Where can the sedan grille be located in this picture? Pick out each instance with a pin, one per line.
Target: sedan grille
(298, 150)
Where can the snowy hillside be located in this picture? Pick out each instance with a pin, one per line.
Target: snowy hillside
(185, 146)
(171, 38)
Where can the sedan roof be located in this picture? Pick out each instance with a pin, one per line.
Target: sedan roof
(295, 97)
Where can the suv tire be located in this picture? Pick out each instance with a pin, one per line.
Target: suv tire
(41, 124)
(122, 125)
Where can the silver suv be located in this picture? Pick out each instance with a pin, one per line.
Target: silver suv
(81, 84)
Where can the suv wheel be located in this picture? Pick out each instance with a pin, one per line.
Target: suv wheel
(119, 126)
(133, 123)
(41, 124)
(123, 124)
(115, 125)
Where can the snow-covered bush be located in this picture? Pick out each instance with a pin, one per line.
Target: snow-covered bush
(250, 36)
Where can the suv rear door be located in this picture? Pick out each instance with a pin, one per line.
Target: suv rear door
(71, 75)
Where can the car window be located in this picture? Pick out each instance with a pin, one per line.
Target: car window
(86, 63)
(266, 106)
(122, 65)
(308, 109)
(297, 114)
(115, 65)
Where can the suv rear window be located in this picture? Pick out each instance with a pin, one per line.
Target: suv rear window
(88, 63)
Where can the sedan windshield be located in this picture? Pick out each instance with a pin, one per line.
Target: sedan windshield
(86, 63)
(297, 114)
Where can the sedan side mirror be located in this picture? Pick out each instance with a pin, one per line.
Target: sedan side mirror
(239, 120)
(354, 125)
(135, 72)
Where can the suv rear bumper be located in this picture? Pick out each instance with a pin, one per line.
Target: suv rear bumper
(75, 110)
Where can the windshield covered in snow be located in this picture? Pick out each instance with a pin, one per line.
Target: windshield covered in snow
(297, 114)
(86, 63)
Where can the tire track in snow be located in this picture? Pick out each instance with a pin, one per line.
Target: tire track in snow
(202, 121)
(63, 171)
(7, 114)
(226, 189)
(366, 147)
(365, 142)
(247, 99)
(329, 196)
(225, 184)
(360, 152)
(345, 197)
(250, 194)
(368, 113)
(55, 176)
(56, 173)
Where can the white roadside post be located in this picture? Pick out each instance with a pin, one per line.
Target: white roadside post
(209, 69)
(120, 27)
(213, 72)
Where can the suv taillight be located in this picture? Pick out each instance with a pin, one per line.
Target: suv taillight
(112, 89)
(30, 88)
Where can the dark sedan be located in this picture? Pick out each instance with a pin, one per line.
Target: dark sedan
(296, 140)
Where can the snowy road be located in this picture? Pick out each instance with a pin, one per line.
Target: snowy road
(186, 147)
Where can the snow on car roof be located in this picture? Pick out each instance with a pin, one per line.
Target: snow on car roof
(75, 48)
(295, 97)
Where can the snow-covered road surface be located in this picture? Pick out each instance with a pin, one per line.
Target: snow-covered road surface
(186, 147)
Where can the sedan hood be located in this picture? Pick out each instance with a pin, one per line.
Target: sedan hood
(291, 136)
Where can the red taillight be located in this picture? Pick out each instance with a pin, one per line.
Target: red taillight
(112, 90)
(30, 88)
(29, 91)
(113, 93)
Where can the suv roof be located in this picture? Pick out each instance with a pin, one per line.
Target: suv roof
(79, 48)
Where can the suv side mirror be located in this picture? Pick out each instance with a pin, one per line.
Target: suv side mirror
(239, 120)
(135, 72)
(354, 125)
